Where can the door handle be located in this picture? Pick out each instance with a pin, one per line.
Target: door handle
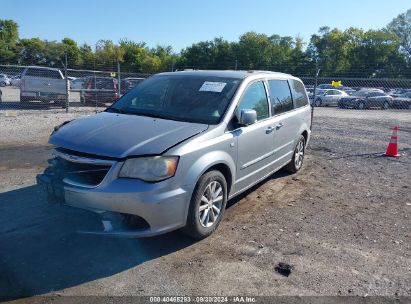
(269, 130)
(279, 126)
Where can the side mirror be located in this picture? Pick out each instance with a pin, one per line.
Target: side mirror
(247, 117)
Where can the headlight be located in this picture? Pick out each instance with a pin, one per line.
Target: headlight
(150, 169)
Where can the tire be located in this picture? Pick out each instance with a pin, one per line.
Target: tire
(361, 105)
(299, 151)
(385, 105)
(24, 100)
(409, 107)
(318, 102)
(3, 84)
(199, 222)
(61, 103)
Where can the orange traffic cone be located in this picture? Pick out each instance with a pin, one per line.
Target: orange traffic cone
(392, 149)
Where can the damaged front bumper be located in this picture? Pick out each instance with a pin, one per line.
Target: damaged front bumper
(128, 207)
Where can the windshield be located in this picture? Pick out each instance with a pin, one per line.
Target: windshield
(360, 93)
(321, 92)
(198, 99)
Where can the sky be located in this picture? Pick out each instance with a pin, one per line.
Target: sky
(180, 23)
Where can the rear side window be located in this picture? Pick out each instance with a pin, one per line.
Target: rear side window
(43, 73)
(280, 96)
(375, 94)
(298, 93)
(53, 74)
(255, 98)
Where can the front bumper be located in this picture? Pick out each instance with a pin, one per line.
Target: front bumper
(161, 205)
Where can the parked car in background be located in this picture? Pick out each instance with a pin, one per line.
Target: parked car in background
(99, 90)
(365, 99)
(43, 84)
(325, 86)
(398, 92)
(4, 80)
(173, 151)
(77, 84)
(403, 101)
(371, 89)
(15, 80)
(329, 97)
(128, 83)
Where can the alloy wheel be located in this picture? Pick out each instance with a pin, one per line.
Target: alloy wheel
(211, 204)
(299, 155)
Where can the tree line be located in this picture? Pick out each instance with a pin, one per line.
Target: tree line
(350, 53)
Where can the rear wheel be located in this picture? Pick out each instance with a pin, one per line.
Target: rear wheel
(3, 84)
(298, 157)
(62, 103)
(386, 105)
(361, 105)
(25, 99)
(318, 102)
(207, 205)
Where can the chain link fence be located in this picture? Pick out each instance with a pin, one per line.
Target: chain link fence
(34, 87)
(42, 88)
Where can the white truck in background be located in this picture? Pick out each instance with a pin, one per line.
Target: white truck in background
(43, 84)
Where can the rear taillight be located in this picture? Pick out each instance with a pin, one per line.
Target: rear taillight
(89, 87)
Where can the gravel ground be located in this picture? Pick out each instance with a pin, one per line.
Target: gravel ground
(342, 223)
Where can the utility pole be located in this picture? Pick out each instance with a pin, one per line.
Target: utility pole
(67, 84)
(236, 63)
(118, 78)
(317, 72)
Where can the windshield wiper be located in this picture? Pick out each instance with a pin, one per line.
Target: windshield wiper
(114, 110)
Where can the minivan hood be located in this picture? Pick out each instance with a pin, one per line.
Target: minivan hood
(120, 135)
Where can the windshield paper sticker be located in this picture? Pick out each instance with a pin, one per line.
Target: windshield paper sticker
(209, 86)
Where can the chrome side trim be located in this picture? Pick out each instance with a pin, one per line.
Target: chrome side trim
(265, 156)
(83, 160)
(254, 161)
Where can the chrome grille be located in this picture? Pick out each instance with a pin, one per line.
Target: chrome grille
(80, 171)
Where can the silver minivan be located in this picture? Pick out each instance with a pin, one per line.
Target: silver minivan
(43, 84)
(171, 152)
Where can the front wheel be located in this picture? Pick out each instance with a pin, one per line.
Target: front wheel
(318, 103)
(386, 105)
(207, 205)
(298, 158)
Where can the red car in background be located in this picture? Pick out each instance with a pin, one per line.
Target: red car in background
(98, 90)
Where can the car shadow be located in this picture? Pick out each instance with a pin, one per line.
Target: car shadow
(40, 250)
